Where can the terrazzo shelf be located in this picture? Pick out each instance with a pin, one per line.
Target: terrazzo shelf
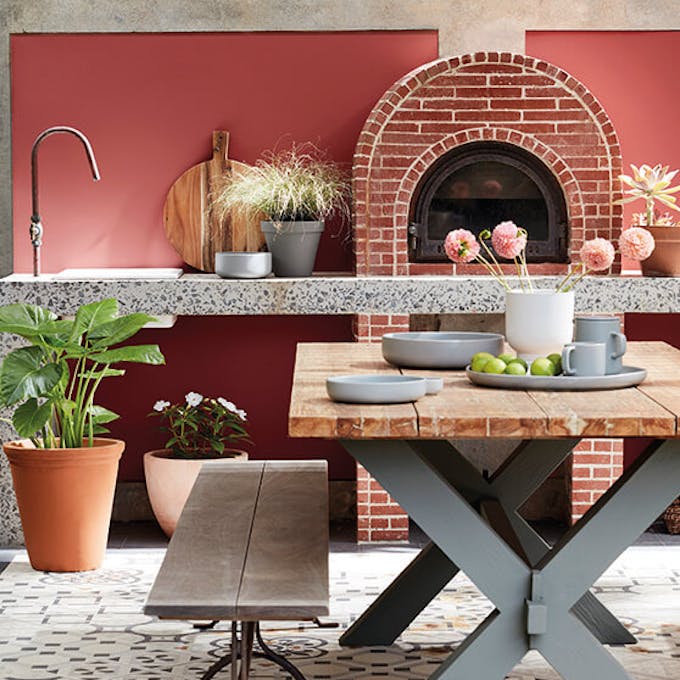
(207, 294)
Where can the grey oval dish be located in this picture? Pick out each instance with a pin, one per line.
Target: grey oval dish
(380, 389)
(231, 265)
(438, 349)
(628, 377)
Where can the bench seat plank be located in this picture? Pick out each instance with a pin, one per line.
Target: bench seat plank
(201, 572)
(286, 570)
(251, 544)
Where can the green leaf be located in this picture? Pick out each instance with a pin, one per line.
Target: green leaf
(24, 320)
(138, 354)
(93, 315)
(119, 329)
(30, 417)
(23, 376)
(101, 415)
(99, 429)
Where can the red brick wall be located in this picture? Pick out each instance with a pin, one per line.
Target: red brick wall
(491, 96)
(485, 96)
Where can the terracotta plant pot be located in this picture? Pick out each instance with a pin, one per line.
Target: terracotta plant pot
(665, 260)
(169, 482)
(65, 497)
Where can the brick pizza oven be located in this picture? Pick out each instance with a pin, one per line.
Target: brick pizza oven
(458, 141)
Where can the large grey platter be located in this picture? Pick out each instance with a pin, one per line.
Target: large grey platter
(629, 377)
(438, 349)
(380, 389)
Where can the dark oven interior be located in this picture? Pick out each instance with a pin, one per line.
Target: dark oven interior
(478, 185)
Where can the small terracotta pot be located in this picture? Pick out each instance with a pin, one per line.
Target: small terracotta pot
(65, 497)
(169, 481)
(665, 260)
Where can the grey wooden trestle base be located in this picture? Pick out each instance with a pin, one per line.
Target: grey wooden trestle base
(239, 553)
(541, 595)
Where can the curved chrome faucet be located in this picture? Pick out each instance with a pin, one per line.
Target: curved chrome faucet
(36, 228)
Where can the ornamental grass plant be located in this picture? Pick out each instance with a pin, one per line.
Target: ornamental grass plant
(296, 184)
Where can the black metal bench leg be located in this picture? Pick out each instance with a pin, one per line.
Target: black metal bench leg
(243, 650)
(205, 626)
(269, 653)
(231, 658)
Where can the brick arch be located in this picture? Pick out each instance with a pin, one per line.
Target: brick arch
(488, 95)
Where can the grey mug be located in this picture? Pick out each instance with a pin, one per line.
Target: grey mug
(603, 329)
(584, 358)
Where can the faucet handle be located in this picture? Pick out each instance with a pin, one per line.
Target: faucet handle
(36, 231)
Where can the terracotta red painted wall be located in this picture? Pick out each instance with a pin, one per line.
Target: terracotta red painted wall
(634, 75)
(149, 103)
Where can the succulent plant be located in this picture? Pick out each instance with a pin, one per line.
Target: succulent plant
(650, 184)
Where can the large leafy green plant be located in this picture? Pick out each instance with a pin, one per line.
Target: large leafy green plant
(51, 383)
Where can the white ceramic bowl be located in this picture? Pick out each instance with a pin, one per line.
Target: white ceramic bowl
(230, 265)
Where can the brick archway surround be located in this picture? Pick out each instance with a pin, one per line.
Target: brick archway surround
(494, 96)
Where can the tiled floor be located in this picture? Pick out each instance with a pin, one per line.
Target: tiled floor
(90, 626)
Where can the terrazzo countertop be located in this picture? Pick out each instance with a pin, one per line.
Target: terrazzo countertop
(207, 294)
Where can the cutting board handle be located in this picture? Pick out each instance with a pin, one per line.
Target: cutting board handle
(220, 140)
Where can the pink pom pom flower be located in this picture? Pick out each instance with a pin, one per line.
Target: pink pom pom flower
(461, 246)
(597, 254)
(636, 243)
(508, 240)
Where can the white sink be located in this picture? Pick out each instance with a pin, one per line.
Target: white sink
(103, 273)
(119, 273)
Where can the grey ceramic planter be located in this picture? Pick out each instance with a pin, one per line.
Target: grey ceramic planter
(293, 246)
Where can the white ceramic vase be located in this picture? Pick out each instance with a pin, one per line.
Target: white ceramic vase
(538, 323)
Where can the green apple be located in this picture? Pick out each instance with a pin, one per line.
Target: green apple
(521, 362)
(506, 357)
(557, 360)
(515, 368)
(479, 361)
(542, 366)
(495, 366)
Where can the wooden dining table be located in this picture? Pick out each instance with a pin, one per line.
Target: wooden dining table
(541, 594)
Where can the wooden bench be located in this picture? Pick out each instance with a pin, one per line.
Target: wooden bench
(250, 545)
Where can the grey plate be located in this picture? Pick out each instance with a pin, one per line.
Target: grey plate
(438, 349)
(628, 377)
(380, 389)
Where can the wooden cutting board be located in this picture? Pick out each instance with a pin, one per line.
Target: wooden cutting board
(195, 231)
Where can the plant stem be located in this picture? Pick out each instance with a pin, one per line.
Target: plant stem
(584, 271)
(492, 256)
(519, 274)
(493, 273)
(565, 279)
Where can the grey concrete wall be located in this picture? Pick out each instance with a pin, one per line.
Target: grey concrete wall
(463, 26)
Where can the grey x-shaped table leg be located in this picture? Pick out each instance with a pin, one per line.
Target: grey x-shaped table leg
(498, 499)
(534, 603)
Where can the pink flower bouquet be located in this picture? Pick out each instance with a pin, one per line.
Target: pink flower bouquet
(509, 242)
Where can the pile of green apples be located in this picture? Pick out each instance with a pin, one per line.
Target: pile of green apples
(484, 362)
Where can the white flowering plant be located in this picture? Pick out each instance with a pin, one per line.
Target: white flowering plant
(202, 427)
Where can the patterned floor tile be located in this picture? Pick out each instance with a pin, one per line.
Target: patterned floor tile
(90, 626)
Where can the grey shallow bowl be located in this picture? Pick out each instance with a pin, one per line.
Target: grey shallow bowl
(243, 265)
(380, 389)
(438, 349)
